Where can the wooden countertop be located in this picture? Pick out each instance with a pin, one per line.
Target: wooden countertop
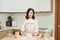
(7, 28)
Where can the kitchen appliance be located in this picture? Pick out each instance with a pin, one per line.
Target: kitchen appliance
(9, 22)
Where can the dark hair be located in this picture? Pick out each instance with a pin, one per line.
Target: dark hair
(33, 17)
(16, 31)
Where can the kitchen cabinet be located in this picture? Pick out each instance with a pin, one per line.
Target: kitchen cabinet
(5, 33)
(5, 5)
(23, 5)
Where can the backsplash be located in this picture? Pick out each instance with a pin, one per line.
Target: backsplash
(45, 20)
(3, 18)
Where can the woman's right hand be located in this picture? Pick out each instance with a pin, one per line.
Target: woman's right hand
(23, 33)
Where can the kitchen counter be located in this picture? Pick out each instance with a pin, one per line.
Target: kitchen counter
(7, 28)
(5, 31)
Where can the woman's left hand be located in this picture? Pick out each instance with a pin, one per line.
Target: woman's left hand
(34, 33)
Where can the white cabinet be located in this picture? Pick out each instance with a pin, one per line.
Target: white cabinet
(6, 5)
(0, 5)
(23, 5)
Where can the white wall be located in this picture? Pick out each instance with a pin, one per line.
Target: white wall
(45, 20)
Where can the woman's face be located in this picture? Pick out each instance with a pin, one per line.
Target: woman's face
(30, 14)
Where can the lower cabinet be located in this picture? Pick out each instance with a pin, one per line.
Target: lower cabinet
(5, 32)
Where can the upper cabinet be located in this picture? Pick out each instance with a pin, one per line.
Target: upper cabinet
(23, 5)
(6, 5)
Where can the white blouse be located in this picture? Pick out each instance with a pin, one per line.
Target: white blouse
(30, 26)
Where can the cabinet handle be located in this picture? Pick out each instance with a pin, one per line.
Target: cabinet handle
(58, 26)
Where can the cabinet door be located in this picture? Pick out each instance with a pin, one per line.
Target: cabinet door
(23, 5)
(57, 23)
(5, 5)
(5, 33)
(58, 19)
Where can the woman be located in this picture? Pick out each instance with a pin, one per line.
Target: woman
(30, 25)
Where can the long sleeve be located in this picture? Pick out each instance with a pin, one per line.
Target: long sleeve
(36, 26)
(23, 26)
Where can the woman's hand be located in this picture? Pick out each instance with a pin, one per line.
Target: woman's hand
(23, 33)
(34, 33)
